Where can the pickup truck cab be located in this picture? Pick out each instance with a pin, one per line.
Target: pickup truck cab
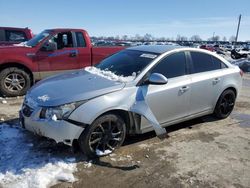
(14, 35)
(50, 52)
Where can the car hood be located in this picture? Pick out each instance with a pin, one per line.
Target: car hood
(14, 49)
(71, 87)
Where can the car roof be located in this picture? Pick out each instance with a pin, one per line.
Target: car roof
(155, 48)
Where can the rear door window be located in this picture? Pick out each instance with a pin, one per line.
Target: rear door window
(15, 36)
(203, 62)
(172, 66)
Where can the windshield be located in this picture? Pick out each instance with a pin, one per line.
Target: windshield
(127, 62)
(38, 38)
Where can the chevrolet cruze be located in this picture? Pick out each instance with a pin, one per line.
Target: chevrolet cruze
(134, 91)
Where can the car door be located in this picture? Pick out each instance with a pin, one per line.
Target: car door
(207, 78)
(170, 102)
(65, 57)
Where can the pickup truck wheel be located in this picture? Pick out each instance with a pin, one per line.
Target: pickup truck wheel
(103, 136)
(14, 82)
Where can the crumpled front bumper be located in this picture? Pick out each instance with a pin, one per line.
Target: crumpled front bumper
(60, 130)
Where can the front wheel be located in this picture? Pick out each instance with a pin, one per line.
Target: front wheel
(14, 82)
(103, 136)
(225, 104)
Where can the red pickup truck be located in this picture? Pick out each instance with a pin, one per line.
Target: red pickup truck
(50, 52)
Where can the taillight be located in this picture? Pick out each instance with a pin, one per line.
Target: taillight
(241, 73)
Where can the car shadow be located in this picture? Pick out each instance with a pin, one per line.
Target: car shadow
(132, 139)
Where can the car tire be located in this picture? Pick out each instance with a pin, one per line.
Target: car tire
(14, 82)
(103, 136)
(225, 104)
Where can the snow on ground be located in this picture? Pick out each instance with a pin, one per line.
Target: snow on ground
(27, 160)
(110, 75)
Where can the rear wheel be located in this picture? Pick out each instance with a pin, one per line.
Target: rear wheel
(14, 82)
(103, 136)
(225, 104)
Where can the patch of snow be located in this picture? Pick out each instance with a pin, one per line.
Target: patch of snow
(102, 153)
(43, 98)
(110, 75)
(54, 118)
(4, 101)
(121, 158)
(71, 159)
(88, 164)
(25, 165)
(143, 146)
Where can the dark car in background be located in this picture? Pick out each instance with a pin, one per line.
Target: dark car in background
(11, 35)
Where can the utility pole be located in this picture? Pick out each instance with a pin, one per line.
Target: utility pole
(238, 28)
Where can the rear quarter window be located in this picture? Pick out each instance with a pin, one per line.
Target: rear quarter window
(203, 62)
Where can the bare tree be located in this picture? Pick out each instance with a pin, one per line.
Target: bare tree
(148, 37)
(214, 38)
(181, 38)
(232, 38)
(224, 39)
(117, 37)
(196, 38)
(125, 37)
(138, 37)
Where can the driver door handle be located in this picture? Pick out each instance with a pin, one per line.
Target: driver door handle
(184, 89)
(73, 54)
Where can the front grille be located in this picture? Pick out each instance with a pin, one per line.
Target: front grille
(27, 111)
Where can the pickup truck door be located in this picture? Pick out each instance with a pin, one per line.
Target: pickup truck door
(66, 57)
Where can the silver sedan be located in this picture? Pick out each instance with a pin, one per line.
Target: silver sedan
(134, 91)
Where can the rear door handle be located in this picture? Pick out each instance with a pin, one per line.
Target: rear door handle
(184, 89)
(216, 80)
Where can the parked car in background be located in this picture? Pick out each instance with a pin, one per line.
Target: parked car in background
(50, 52)
(239, 53)
(207, 47)
(131, 92)
(12, 35)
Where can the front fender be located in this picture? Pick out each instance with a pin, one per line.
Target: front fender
(27, 62)
(92, 109)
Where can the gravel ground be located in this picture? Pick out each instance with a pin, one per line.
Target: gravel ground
(203, 152)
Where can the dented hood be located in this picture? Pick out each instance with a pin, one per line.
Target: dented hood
(71, 87)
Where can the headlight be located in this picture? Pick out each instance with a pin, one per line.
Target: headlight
(59, 112)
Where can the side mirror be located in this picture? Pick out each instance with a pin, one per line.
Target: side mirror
(157, 79)
(49, 46)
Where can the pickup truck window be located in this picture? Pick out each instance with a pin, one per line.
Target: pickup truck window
(63, 40)
(2, 35)
(15, 36)
(38, 38)
(80, 40)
